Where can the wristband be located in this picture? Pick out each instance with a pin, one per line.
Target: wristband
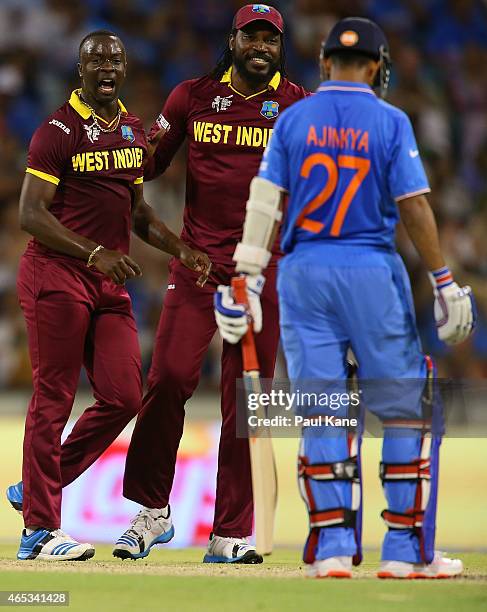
(91, 258)
(442, 277)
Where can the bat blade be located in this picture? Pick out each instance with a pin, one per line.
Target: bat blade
(264, 474)
(263, 466)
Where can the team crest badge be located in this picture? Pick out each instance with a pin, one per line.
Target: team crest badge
(349, 38)
(269, 109)
(127, 133)
(261, 8)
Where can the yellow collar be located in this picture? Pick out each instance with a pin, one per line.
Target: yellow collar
(80, 107)
(273, 83)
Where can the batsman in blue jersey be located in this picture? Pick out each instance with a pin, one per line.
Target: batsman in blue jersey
(350, 165)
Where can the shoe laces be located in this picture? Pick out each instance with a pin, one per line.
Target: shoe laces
(233, 541)
(59, 533)
(142, 520)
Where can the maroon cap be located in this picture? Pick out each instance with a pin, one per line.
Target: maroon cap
(258, 12)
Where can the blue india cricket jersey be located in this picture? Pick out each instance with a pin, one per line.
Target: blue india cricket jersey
(345, 157)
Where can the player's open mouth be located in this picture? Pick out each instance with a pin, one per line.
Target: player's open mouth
(258, 62)
(106, 86)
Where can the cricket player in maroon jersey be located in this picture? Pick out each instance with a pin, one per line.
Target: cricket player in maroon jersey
(81, 195)
(227, 118)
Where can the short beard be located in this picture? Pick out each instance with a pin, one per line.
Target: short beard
(254, 78)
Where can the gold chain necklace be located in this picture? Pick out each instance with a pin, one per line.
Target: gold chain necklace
(95, 120)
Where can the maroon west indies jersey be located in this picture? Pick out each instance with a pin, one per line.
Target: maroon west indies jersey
(94, 172)
(227, 133)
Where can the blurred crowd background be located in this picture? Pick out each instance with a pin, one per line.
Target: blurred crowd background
(439, 51)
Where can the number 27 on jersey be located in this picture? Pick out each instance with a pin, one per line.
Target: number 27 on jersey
(361, 166)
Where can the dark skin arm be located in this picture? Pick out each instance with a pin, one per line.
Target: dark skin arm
(154, 143)
(35, 200)
(153, 231)
(420, 224)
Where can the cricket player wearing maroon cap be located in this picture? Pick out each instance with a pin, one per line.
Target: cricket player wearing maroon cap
(227, 118)
(80, 197)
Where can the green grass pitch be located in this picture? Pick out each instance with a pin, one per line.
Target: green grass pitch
(176, 579)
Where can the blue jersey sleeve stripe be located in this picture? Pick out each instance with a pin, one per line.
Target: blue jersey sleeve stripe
(411, 194)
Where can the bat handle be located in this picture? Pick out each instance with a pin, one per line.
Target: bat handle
(249, 353)
(239, 286)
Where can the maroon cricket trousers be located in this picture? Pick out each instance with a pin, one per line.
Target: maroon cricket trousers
(186, 327)
(74, 316)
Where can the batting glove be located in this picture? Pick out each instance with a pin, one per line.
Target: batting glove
(255, 285)
(455, 310)
(231, 318)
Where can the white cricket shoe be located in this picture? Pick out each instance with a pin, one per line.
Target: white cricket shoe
(441, 567)
(149, 527)
(333, 567)
(231, 550)
(52, 545)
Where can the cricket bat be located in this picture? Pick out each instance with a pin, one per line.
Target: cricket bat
(263, 466)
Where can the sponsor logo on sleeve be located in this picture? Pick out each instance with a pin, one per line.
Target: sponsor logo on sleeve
(270, 109)
(60, 125)
(162, 122)
(127, 133)
(221, 103)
